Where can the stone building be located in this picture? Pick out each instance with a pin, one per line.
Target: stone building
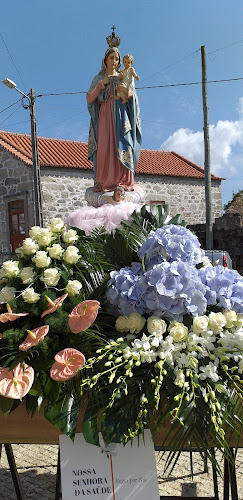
(66, 173)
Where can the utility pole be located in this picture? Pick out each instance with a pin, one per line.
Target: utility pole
(36, 164)
(38, 216)
(207, 173)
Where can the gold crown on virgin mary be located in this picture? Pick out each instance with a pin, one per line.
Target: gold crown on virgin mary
(113, 40)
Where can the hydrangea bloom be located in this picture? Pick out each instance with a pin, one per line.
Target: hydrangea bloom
(224, 287)
(170, 243)
(168, 290)
(126, 288)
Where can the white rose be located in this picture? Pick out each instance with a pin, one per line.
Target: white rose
(178, 331)
(156, 325)
(7, 293)
(55, 251)
(135, 322)
(70, 236)
(41, 259)
(231, 318)
(51, 276)
(30, 246)
(217, 321)
(206, 261)
(27, 275)
(44, 237)
(33, 232)
(122, 324)
(73, 287)
(10, 268)
(29, 295)
(200, 324)
(71, 255)
(56, 225)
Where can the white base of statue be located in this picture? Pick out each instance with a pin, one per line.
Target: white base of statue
(98, 199)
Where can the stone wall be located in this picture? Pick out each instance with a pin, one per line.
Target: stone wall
(64, 190)
(15, 183)
(227, 235)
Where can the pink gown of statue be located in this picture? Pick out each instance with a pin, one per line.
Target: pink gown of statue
(109, 170)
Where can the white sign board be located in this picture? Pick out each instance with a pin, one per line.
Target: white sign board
(112, 472)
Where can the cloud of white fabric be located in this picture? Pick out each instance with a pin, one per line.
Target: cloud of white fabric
(225, 137)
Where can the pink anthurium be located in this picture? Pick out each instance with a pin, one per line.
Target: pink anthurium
(10, 316)
(67, 363)
(53, 305)
(34, 337)
(15, 384)
(83, 315)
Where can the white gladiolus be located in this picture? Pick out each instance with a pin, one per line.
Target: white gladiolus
(29, 295)
(7, 293)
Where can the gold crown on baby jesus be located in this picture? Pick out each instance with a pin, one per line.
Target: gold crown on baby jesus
(113, 40)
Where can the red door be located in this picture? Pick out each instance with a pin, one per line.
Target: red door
(17, 227)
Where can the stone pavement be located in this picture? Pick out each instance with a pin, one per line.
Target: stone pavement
(36, 466)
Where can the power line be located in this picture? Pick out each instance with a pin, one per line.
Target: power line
(225, 47)
(8, 51)
(152, 86)
(10, 105)
(10, 115)
(170, 65)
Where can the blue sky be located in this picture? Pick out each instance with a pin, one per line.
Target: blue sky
(56, 46)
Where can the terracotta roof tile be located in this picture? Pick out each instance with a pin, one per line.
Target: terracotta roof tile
(73, 154)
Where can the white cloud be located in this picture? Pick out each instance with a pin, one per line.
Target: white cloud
(226, 145)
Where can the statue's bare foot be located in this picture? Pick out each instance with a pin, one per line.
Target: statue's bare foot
(97, 188)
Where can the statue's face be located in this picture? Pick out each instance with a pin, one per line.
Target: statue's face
(112, 61)
(127, 63)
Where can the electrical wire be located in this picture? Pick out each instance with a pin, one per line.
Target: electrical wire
(154, 86)
(225, 47)
(58, 123)
(10, 105)
(170, 65)
(8, 51)
(10, 115)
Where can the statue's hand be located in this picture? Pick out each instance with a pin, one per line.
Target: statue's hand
(122, 88)
(105, 80)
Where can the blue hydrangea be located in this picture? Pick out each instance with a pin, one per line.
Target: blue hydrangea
(174, 289)
(168, 290)
(126, 288)
(171, 243)
(224, 287)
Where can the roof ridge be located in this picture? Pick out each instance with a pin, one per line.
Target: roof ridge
(41, 137)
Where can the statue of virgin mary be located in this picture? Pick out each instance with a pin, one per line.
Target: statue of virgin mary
(115, 128)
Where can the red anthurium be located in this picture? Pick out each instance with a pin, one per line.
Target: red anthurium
(53, 305)
(34, 337)
(15, 384)
(83, 315)
(10, 316)
(68, 362)
(1, 335)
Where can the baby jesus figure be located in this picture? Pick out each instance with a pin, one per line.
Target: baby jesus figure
(127, 76)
